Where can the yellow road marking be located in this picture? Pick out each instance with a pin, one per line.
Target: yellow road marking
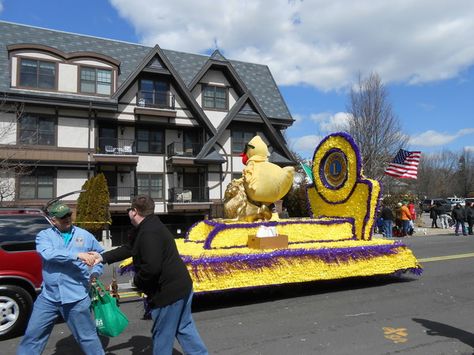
(397, 335)
(447, 257)
(129, 294)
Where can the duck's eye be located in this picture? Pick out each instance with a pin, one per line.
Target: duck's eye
(247, 146)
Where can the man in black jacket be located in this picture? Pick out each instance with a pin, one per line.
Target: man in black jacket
(162, 276)
(459, 217)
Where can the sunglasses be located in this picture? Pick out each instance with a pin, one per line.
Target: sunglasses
(66, 216)
(129, 209)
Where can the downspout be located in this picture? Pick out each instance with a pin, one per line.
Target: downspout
(89, 141)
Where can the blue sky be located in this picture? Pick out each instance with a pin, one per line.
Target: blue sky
(422, 50)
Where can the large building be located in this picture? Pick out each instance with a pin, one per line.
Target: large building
(155, 121)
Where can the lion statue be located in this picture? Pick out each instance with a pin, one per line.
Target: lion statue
(237, 206)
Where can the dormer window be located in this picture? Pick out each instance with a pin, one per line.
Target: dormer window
(155, 93)
(37, 74)
(214, 97)
(96, 81)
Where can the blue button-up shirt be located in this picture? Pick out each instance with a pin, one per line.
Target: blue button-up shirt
(65, 277)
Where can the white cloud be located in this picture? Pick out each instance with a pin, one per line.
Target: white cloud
(298, 118)
(305, 145)
(469, 148)
(329, 122)
(433, 138)
(322, 43)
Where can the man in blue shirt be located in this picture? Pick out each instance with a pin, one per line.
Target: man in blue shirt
(67, 273)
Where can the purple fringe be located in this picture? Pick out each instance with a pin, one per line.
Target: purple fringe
(224, 264)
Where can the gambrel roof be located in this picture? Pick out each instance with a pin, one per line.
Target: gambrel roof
(259, 96)
(256, 77)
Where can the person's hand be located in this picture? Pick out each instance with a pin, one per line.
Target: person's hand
(87, 258)
(97, 257)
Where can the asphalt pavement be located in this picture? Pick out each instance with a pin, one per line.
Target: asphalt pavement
(408, 315)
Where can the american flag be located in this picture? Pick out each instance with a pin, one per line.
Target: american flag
(404, 165)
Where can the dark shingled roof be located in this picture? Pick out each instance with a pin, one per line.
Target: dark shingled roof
(256, 77)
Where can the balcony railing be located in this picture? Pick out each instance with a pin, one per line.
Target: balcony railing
(183, 149)
(122, 194)
(176, 194)
(116, 146)
(152, 99)
(188, 194)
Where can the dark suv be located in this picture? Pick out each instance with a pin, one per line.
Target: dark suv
(445, 205)
(20, 266)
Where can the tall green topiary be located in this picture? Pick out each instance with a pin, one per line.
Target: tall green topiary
(82, 203)
(93, 205)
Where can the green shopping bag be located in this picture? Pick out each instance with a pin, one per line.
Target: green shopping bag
(109, 319)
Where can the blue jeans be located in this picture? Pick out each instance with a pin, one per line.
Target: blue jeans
(405, 227)
(175, 320)
(387, 228)
(463, 228)
(78, 318)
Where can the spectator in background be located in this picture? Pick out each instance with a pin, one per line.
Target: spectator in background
(434, 216)
(387, 218)
(411, 208)
(443, 218)
(398, 219)
(470, 217)
(405, 216)
(459, 217)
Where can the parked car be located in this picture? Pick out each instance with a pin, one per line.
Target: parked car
(455, 200)
(443, 203)
(20, 266)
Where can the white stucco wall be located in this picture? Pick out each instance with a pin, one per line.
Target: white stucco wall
(70, 180)
(216, 117)
(7, 128)
(93, 63)
(7, 185)
(14, 64)
(150, 164)
(214, 186)
(72, 132)
(67, 77)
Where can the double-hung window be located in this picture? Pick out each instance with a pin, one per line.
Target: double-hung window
(37, 130)
(96, 81)
(37, 74)
(240, 138)
(37, 185)
(154, 93)
(150, 184)
(150, 140)
(214, 97)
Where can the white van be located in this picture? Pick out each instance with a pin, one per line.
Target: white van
(455, 200)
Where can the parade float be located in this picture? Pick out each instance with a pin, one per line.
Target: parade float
(251, 247)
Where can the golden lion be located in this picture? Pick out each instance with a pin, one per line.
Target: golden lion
(237, 207)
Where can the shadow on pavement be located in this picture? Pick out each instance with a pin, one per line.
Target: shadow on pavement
(247, 296)
(440, 329)
(135, 345)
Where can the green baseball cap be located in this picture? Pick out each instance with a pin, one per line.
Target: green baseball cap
(59, 210)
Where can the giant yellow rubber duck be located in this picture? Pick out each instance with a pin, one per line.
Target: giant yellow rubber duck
(264, 182)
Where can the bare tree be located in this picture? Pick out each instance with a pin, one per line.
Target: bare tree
(436, 174)
(374, 126)
(464, 181)
(10, 168)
